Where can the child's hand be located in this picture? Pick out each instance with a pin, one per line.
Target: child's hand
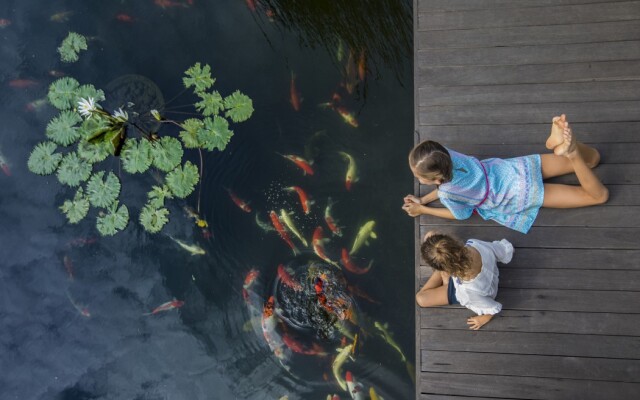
(478, 321)
(413, 209)
(412, 199)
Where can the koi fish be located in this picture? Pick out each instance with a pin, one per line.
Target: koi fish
(4, 164)
(169, 305)
(287, 279)
(294, 96)
(362, 66)
(386, 335)
(193, 249)
(347, 116)
(82, 309)
(300, 162)
(318, 247)
(331, 223)
(126, 18)
(348, 264)
(249, 280)
(251, 4)
(373, 394)
(333, 397)
(356, 291)
(243, 205)
(286, 218)
(350, 78)
(168, 3)
(68, 266)
(365, 232)
(79, 242)
(36, 105)
(297, 347)
(340, 51)
(22, 83)
(263, 225)
(304, 199)
(343, 354)
(283, 233)
(269, 323)
(61, 16)
(355, 388)
(56, 74)
(352, 171)
(4, 23)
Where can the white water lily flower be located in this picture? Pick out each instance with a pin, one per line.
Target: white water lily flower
(156, 115)
(86, 107)
(120, 115)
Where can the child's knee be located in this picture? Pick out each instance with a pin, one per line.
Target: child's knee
(422, 299)
(602, 197)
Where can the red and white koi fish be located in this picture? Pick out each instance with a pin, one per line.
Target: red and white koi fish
(352, 170)
(36, 105)
(68, 266)
(300, 162)
(243, 205)
(294, 95)
(355, 388)
(304, 198)
(350, 266)
(169, 305)
(249, 280)
(287, 279)
(299, 348)
(318, 247)
(4, 23)
(283, 233)
(269, 323)
(331, 223)
(23, 83)
(82, 309)
(333, 397)
(4, 164)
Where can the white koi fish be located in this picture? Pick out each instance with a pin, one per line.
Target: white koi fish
(352, 172)
(193, 249)
(286, 218)
(365, 232)
(336, 367)
(386, 335)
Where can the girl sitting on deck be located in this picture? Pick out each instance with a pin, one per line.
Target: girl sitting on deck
(508, 191)
(463, 274)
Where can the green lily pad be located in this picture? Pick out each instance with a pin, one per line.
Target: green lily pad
(43, 159)
(73, 170)
(62, 129)
(153, 219)
(75, 210)
(239, 106)
(182, 181)
(167, 153)
(102, 192)
(136, 155)
(114, 220)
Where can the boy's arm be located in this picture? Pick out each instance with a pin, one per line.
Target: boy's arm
(478, 321)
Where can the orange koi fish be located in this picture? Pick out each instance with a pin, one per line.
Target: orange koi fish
(348, 116)
(126, 18)
(82, 309)
(300, 162)
(249, 280)
(294, 95)
(318, 247)
(331, 223)
(348, 264)
(283, 233)
(304, 199)
(299, 348)
(169, 305)
(287, 279)
(22, 83)
(362, 66)
(251, 4)
(269, 323)
(4, 23)
(68, 266)
(243, 205)
(168, 3)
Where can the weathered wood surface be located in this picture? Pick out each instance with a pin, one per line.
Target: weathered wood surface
(489, 76)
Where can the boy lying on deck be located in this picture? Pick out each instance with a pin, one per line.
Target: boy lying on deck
(463, 274)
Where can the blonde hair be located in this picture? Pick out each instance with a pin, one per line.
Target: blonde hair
(432, 161)
(444, 253)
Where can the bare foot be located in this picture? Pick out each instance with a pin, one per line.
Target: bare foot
(557, 126)
(569, 146)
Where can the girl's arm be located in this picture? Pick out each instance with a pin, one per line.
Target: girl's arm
(430, 197)
(414, 210)
(479, 321)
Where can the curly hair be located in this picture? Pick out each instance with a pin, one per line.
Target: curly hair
(444, 253)
(432, 161)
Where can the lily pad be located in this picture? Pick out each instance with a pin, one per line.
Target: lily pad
(153, 219)
(102, 192)
(43, 159)
(71, 46)
(189, 135)
(167, 153)
(114, 220)
(215, 133)
(182, 181)
(73, 170)
(62, 129)
(136, 155)
(198, 77)
(239, 106)
(75, 210)
(62, 93)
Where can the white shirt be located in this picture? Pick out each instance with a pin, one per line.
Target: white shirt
(479, 293)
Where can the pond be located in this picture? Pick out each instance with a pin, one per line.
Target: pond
(330, 83)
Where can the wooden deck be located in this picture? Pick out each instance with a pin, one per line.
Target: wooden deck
(489, 76)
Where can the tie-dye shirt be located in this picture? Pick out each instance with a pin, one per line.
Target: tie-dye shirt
(514, 196)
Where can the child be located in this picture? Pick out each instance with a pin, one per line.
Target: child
(463, 274)
(508, 191)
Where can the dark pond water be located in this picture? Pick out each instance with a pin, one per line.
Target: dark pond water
(213, 346)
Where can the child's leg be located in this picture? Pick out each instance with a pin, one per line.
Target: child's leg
(590, 192)
(553, 165)
(434, 292)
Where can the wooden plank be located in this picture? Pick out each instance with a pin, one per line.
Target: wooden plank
(608, 70)
(610, 153)
(619, 195)
(424, 396)
(534, 133)
(550, 344)
(530, 35)
(579, 92)
(516, 387)
(527, 16)
(526, 55)
(459, 5)
(545, 237)
(612, 111)
(571, 259)
(601, 216)
(568, 279)
(583, 323)
(597, 369)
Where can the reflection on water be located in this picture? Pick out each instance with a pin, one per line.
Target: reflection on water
(142, 316)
